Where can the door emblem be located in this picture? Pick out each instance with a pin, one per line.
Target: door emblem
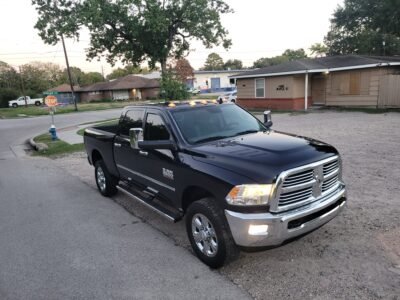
(168, 173)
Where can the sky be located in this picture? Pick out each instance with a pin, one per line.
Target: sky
(258, 28)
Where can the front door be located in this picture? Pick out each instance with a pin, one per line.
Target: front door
(160, 167)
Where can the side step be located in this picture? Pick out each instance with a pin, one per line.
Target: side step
(158, 208)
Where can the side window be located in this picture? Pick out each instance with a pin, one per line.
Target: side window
(155, 128)
(132, 119)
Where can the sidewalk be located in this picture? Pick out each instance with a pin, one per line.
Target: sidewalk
(70, 134)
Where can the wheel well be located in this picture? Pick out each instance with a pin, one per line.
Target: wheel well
(96, 156)
(192, 194)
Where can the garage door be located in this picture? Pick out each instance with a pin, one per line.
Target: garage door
(121, 95)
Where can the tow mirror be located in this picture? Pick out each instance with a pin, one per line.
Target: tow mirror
(135, 135)
(267, 118)
(158, 145)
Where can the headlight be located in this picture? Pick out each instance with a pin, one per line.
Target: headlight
(251, 194)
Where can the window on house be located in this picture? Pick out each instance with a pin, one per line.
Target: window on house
(260, 88)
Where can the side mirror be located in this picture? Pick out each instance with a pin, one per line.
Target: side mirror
(267, 118)
(159, 145)
(135, 135)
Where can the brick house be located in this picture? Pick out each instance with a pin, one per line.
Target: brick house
(124, 88)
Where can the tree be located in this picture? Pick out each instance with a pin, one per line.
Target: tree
(129, 69)
(318, 49)
(38, 77)
(369, 27)
(294, 54)
(183, 70)
(233, 64)
(286, 56)
(135, 30)
(213, 62)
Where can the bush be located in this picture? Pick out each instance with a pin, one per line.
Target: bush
(172, 89)
(6, 95)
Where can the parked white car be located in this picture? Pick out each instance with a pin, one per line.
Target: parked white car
(228, 97)
(21, 101)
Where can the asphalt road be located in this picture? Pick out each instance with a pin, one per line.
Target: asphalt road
(61, 239)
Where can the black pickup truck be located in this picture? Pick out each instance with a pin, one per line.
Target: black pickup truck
(236, 181)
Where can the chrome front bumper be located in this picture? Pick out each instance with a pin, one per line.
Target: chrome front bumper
(284, 226)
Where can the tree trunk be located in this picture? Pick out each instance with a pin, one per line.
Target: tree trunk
(163, 67)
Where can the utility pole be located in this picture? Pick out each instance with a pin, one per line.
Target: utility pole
(102, 73)
(22, 86)
(69, 73)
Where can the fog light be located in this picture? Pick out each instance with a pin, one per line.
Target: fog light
(258, 229)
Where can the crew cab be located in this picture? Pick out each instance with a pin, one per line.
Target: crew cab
(236, 182)
(25, 100)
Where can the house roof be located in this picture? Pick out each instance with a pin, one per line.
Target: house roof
(323, 64)
(218, 71)
(64, 88)
(124, 83)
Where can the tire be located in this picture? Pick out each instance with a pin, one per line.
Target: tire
(37, 103)
(15, 105)
(105, 182)
(214, 244)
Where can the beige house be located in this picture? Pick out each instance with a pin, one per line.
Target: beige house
(349, 80)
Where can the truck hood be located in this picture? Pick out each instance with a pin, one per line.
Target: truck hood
(262, 156)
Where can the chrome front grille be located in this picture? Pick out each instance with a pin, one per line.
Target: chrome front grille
(306, 184)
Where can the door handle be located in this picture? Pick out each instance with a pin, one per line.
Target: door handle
(144, 153)
(117, 145)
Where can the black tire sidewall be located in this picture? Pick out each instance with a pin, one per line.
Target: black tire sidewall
(214, 214)
(111, 183)
(15, 105)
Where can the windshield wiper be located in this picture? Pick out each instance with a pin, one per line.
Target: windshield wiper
(211, 138)
(246, 132)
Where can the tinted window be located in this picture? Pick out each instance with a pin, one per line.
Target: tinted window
(155, 128)
(132, 119)
(199, 124)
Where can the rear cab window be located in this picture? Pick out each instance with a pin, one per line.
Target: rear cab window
(132, 119)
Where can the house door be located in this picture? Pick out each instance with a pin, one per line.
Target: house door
(318, 89)
(215, 84)
(389, 91)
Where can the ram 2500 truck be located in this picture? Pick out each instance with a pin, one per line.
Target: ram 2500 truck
(234, 180)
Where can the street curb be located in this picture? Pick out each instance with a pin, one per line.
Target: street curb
(33, 144)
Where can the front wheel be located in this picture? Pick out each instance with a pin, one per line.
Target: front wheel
(209, 233)
(106, 184)
(15, 105)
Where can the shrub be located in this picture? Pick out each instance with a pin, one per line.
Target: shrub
(172, 89)
(6, 95)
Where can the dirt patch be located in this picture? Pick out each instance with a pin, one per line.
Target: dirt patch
(356, 255)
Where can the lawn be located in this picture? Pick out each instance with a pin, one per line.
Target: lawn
(42, 110)
(55, 147)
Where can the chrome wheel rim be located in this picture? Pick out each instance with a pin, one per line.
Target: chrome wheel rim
(204, 235)
(101, 179)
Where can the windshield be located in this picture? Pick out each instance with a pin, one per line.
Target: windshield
(208, 123)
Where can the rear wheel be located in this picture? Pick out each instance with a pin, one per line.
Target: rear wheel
(105, 182)
(37, 103)
(209, 233)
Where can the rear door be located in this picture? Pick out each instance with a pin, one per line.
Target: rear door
(126, 158)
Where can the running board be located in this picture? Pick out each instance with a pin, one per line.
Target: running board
(170, 215)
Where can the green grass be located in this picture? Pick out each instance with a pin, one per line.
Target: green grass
(56, 148)
(42, 110)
